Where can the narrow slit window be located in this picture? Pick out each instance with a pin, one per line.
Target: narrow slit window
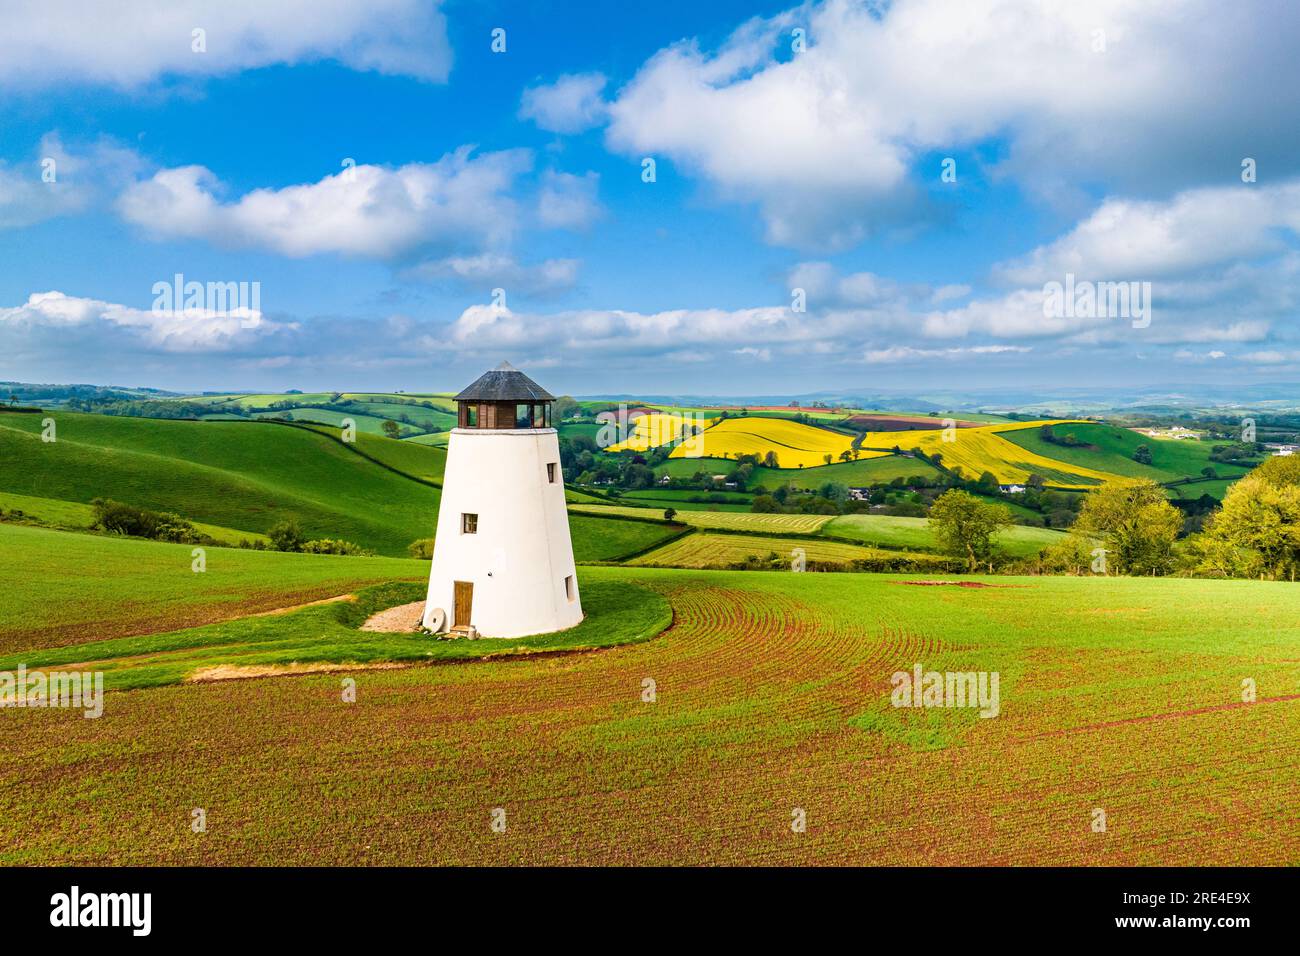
(568, 587)
(468, 524)
(550, 471)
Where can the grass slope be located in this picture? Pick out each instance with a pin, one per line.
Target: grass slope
(70, 515)
(243, 475)
(615, 613)
(1113, 452)
(612, 539)
(58, 587)
(914, 533)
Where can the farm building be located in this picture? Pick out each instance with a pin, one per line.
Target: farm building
(503, 558)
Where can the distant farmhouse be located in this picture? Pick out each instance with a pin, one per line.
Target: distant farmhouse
(1174, 431)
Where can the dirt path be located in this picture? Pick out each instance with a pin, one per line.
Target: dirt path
(404, 617)
(298, 607)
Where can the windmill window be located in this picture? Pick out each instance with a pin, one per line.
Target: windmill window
(568, 587)
(550, 472)
(468, 524)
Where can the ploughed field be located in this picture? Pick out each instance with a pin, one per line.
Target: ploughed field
(771, 695)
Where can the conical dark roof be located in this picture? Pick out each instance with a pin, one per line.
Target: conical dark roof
(505, 383)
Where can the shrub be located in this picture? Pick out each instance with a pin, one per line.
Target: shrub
(118, 518)
(335, 546)
(172, 527)
(287, 536)
(422, 549)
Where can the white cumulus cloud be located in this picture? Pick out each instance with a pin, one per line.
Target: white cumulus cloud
(828, 142)
(128, 43)
(460, 202)
(571, 104)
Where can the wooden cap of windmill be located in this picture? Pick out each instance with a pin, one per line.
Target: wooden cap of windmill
(504, 398)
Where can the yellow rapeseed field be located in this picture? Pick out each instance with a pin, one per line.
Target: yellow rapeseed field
(795, 444)
(662, 428)
(977, 450)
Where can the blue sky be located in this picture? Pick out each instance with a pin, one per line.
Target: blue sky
(1103, 141)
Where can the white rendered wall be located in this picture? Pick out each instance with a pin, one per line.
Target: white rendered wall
(522, 552)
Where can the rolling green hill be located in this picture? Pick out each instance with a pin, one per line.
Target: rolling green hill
(1112, 451)
(248, 475)
(242, 475)
(367, 424)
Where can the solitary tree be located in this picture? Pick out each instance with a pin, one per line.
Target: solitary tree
(391, 428)
(1137, 524)
(964, 525)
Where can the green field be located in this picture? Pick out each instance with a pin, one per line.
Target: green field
(417, 460)
(65, 588)
(773, 692)
(330, 634)
(433, 438)
(1193, 490)
(69, 515)
(673, 496)
(579, 430)
(725, 520)
(854, 474)
(690, 467)
(612, 539)
(914, 534)
(366, 424)
(1113, 452)
(367, 410)
(705, 550)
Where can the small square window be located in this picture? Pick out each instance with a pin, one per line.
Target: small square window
(468, 524)
(550, 472)
(568, 588)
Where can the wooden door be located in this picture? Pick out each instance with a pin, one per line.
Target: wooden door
(464, 603)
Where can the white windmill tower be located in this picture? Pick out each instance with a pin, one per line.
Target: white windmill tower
(502, 557)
